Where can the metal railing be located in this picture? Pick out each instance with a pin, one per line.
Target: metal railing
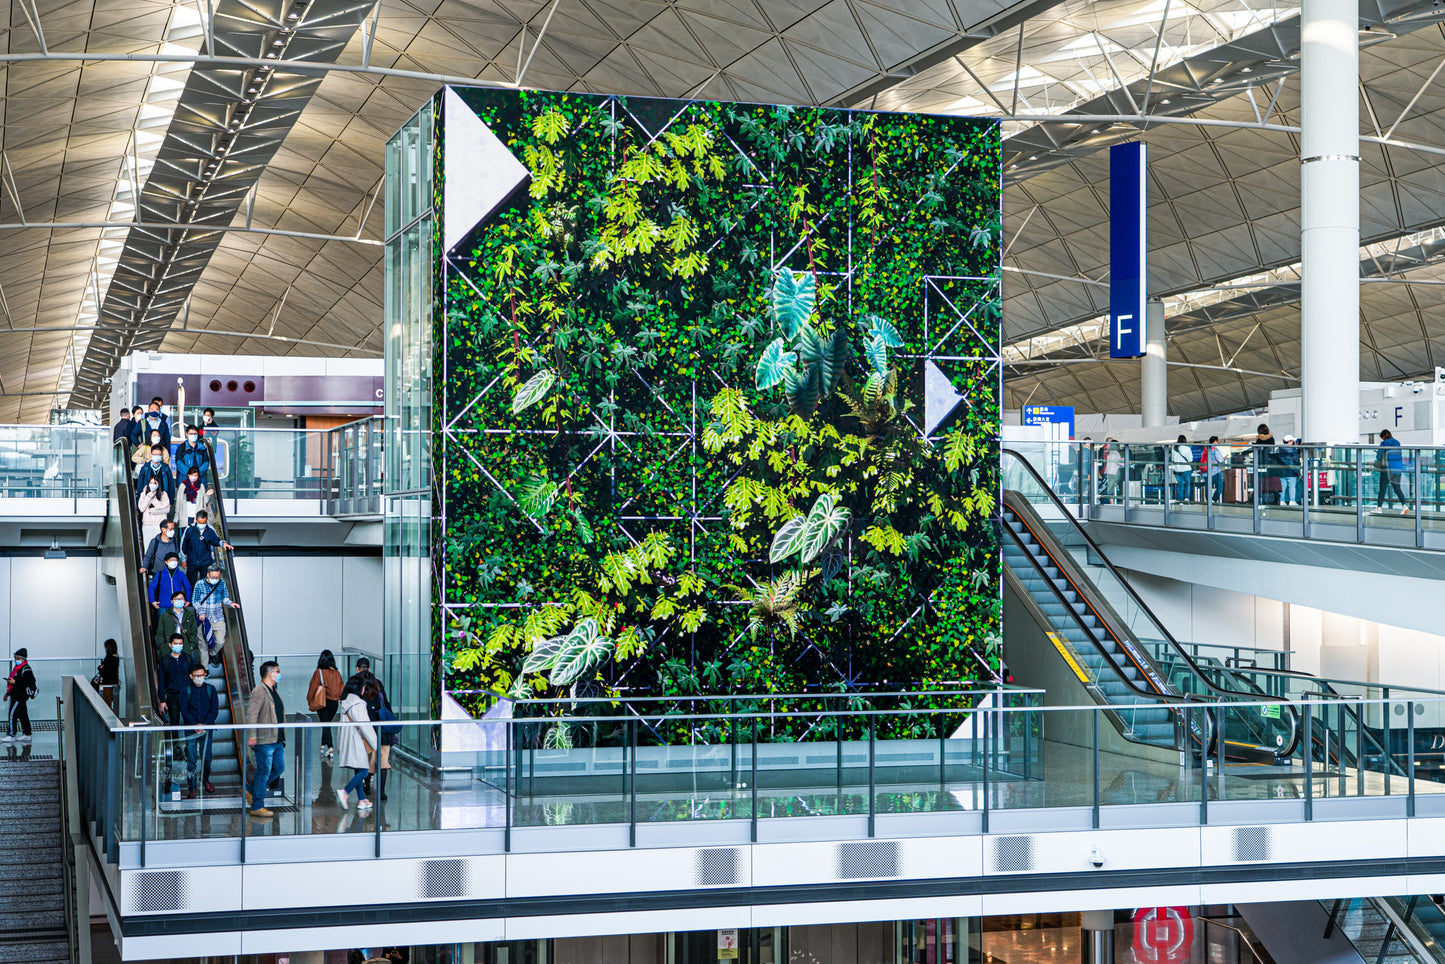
(1365, 494)
(953, 770)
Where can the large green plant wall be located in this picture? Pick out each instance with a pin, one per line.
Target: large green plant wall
(684, 383)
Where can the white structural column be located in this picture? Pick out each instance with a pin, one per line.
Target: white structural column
(1154, 369)
(1330, 220)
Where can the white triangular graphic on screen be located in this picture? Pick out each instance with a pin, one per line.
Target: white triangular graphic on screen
(482, 176)
(940, 398)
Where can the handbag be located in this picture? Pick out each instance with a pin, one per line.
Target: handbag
(389, 734)
(369, 748)
(317, 701)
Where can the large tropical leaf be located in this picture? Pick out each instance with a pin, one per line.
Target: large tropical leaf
(810, 346)
(825, 520)
(544, 655)
(804, 388)
(794, 294)
(834, 360)
(775, 366)
(533, 390)
(877, 352)
(583, 651)
(786, 542)
(882, 328)
(536, 494)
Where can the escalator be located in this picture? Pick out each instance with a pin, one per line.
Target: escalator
(1124, 658)
(231, 678)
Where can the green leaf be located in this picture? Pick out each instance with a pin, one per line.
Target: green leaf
(825, 520)
(534, 390)
(794, 294)
(877, 352)
(582, 652)
(775, 366)
(544, 655)
(834, 360)
(882, 328)
(804, 388)
(810, 346)
(536, 494)
(786, 542)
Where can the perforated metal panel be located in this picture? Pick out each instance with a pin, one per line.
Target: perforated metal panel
(717, 866)
(1013, 854)
(446, 879)
(158, 890)
(1251, 843)
(868, 858)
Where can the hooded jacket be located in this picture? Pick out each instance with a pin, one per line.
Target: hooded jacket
(20, 684)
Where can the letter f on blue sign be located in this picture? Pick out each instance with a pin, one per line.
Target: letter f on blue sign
(1126, 250)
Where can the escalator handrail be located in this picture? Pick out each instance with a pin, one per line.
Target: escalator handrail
(132, 554)
(235, 621)
(1165, 697)
(1350, 703)
(1293, 715)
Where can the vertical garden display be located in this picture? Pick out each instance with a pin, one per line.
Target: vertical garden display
(716, 396)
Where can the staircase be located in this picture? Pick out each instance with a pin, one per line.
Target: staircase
(32, 897)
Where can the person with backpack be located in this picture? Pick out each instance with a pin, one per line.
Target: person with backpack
(199, 707)
(210, 598)
(193, 452)
(1181, 459)
(20, 689)
(156, 467)
(198, 545)
(168, 581)
(1215, 459)
(179, 620)
(379, 708)
(157, 421)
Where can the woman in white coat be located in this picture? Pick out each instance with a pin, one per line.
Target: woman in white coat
(354, 743)
(155, 508)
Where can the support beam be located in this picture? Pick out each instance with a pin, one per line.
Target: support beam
(1154, 370)
(1330, 221)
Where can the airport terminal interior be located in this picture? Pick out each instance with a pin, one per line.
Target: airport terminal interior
(722, 482)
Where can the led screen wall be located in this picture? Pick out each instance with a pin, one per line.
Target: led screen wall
(716, 396)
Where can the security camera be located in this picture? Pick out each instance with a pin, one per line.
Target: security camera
(1417, 389)
(1096, 857)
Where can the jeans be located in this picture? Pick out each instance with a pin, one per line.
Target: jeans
(270, 764)
(1182, 483)
(1289, 488)
(1391, 479)
(198, 749)
(1216, 486)
(354, 784)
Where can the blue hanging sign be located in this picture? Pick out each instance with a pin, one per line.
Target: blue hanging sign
(1126, 250)
(1049, 415)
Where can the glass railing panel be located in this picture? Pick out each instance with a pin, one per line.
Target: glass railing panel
(50, 673)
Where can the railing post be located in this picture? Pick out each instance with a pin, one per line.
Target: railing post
(632, 742)
(1410, 757)
(1095, 716)
(1359, 495)
(1388, 763)
(1307, 477)
(1167, 482)
(942, 752)
(872, 775)
(979, 727)
(1125, 493)
(507, 787)
(145, 803)
(755, 784)
(1415, 493)
(245, 807)
(1309, 754)
(1255, 494)
(1209, 486)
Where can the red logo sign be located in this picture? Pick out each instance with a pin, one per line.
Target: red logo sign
(1162, 935)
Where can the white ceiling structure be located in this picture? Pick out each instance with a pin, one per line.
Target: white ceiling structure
(146, 202)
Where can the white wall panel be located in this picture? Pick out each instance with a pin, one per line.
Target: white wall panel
(609, 872)
(350, 882)
(52, 605)
(361, 602)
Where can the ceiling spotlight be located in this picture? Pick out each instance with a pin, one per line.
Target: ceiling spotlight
(1033, 157)
(270, 55)
(278, 42)
(1164, 101)
(1246, 70)
(293, 16)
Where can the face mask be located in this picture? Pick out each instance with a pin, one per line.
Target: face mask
(213, 579)
(155, 485)
(179, 604)
(277, 677)
(192, 439)
(155, 460)
(171, 565)
(198, 681)
(176, 647)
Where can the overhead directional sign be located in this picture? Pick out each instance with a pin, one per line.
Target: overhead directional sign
(1126, 250)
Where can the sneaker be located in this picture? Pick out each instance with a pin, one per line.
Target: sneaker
(363, 805)
(7, 738)
(341, 798)
(262, 813)
(25, 737)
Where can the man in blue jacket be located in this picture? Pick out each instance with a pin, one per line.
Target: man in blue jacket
(169, 580)
(1391, 463)
(198, 545)
(156, 420)
(199, 708)
(193, 452)
(173, 677)
(155, 468)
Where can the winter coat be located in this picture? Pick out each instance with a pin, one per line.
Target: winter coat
(261, 714)
(160, 472)
(189, 628)
(167, 582)
(155, 507)
(20, 686)
(197, 456)
(351, 751)
(325, 679)
(173, 673)
(199, 705)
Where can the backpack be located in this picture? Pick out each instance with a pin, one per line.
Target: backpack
(384, 715)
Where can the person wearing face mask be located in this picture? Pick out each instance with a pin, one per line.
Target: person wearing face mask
(267, 741)
(199, 708)
(155, 509)
(20, 689)
(192, 494)
(178, 619)
(122, 427)
(198, 545)
(142, 452)
(208, 422)
(173, 675)
(211, 599)
(169, 580)
(193, 452)
(137, 426)
(157, 421)
(163, 543)
(155, 467)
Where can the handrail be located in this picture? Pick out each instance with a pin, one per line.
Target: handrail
(236, 654)
(1290, 745)
(1249, 944)
(138, 612)
(1114, 710)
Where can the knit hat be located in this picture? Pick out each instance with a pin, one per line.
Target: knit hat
(21, 653)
